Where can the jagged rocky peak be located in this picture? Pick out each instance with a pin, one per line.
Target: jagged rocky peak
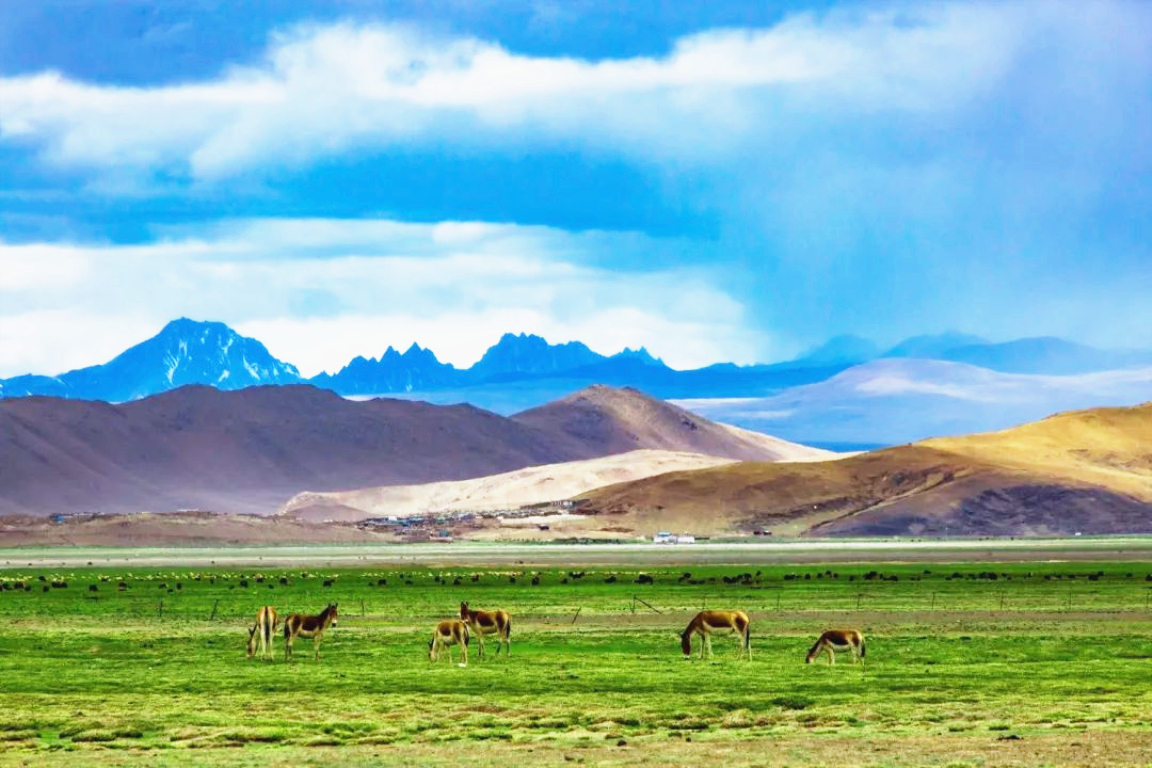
(528, 353)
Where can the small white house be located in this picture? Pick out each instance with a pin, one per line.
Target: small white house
(687, 538)
(664, 537)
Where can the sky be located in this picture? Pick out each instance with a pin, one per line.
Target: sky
(722, 181)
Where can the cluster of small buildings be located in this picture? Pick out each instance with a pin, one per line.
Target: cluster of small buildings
(667, 537)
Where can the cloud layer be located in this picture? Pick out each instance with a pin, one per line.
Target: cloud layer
(319, 292)
(325, 90)
(883, 169)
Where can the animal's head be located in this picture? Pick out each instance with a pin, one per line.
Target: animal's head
(464, 611)
(252, 641)
(811, 654)
(333, 612)
(686, 644)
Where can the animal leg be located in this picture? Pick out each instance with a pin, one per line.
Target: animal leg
(831, 656)
(480, 643)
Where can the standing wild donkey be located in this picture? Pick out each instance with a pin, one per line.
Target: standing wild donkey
(300, 625)
(498, 622)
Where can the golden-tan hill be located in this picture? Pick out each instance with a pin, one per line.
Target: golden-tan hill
(1087, 471)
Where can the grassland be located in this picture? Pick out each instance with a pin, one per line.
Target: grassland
(968, 664)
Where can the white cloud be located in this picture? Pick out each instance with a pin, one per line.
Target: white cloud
(318, 292)
(322, 90)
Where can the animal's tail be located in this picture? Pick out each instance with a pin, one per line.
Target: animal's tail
(862, 648)
(508, 628)
(747, 636)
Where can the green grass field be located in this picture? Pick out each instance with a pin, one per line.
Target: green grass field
(968, 664)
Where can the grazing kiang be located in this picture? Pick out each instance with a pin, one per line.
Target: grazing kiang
(838, 640)
(261, 634)
(301, 625)
(707, 622)
(448, 633)
(497, 622)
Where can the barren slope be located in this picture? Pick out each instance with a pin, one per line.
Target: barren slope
(603, 420)
(1088, 471)
(521, 487)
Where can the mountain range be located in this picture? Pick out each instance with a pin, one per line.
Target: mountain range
(250, 450)
(521, 371)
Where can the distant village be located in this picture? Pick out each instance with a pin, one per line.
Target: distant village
(439, 526)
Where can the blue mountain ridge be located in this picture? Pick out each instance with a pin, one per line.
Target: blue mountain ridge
(520, 370)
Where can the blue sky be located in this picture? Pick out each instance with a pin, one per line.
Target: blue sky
(720, 181)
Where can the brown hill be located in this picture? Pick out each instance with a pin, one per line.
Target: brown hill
(601, 420)
(251, 450)
(1087, 471)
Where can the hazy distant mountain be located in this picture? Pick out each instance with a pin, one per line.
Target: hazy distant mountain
(416, 369)
(847, 349)
(1047, 355)
(893, 401)
(184, 352)
(933, 347)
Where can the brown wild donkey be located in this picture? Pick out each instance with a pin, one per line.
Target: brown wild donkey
(838, 640)
(707, 622)
(498, 622)
(448, 633)
(301, 625)
(261, 634)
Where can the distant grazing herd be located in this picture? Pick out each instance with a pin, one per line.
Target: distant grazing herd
(477, 623)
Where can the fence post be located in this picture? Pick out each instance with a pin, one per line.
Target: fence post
(160, 609)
